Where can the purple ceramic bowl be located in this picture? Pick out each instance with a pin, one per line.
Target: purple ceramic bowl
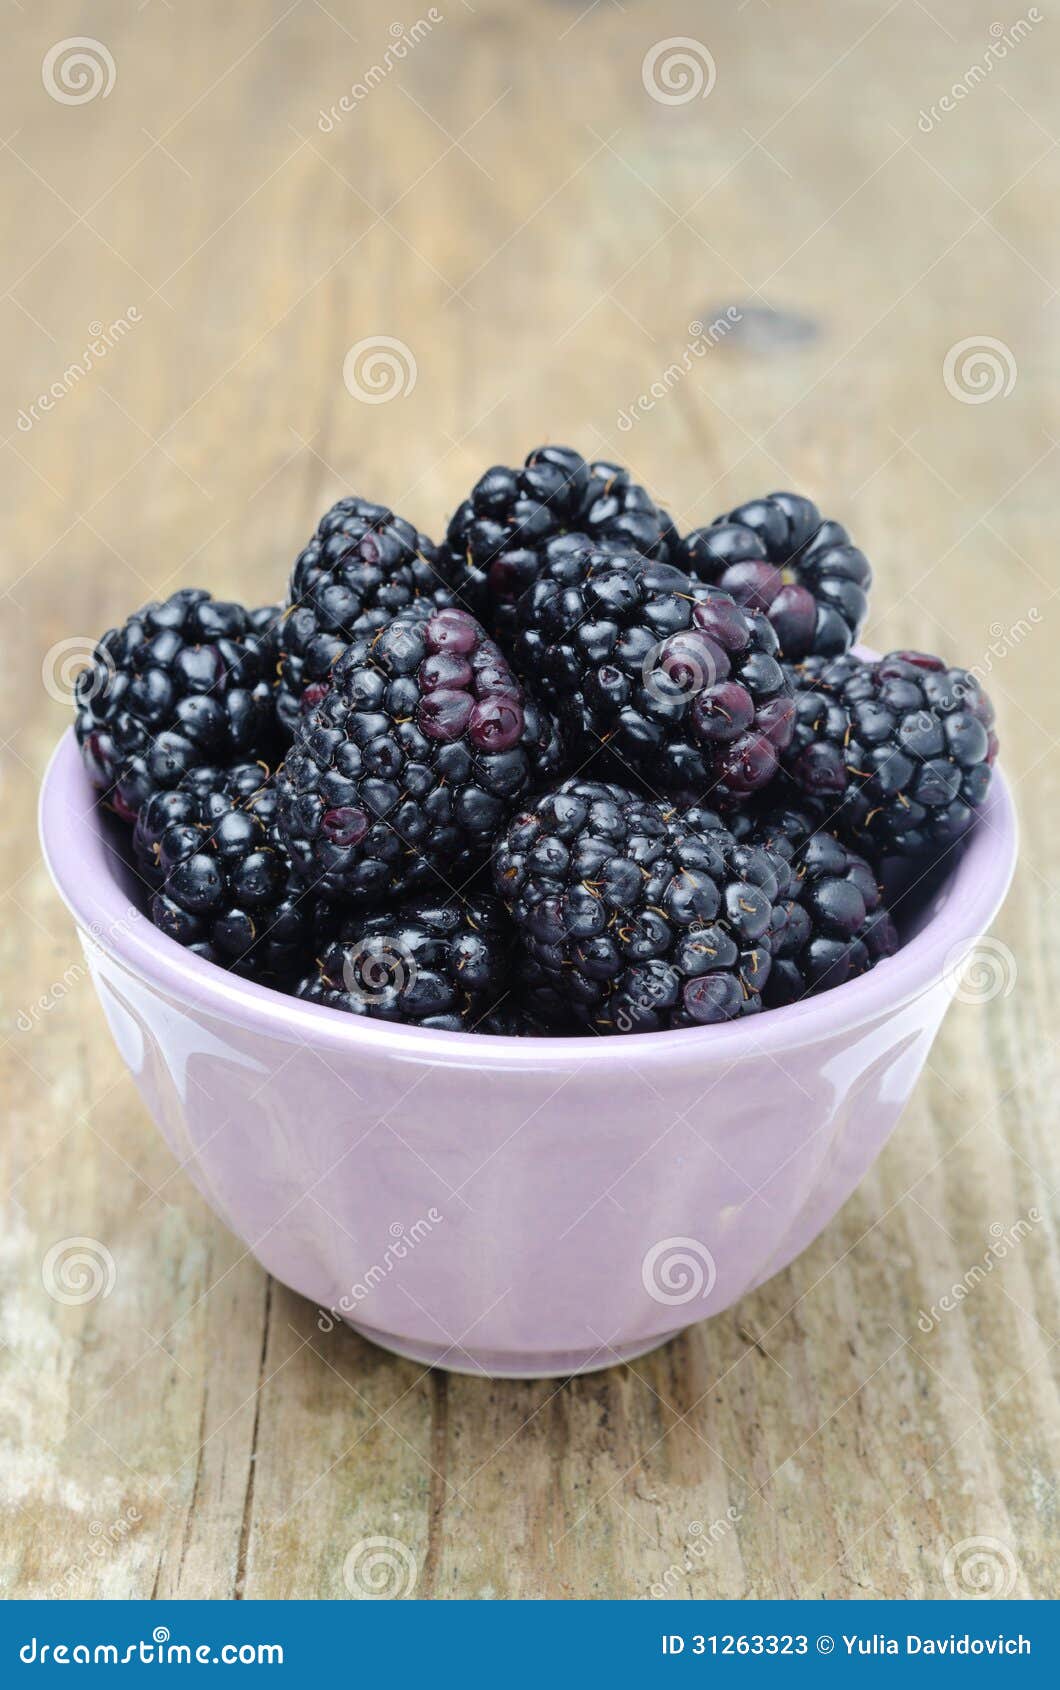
(518, 1207)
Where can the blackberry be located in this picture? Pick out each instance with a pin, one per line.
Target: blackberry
(430, 964)
(833, 925)
(361, 566)
(224, 886)
(407, 766)
(678, 683)
(501, 534)
(779, 556)
(901, 750)
(183, 683)
(204, 794)
(631, 919)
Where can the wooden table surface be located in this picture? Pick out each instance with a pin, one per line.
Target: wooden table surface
(539, 205)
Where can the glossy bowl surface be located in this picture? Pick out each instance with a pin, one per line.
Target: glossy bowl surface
(519, 1207)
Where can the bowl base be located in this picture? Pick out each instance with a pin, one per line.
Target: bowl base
(511, 1364)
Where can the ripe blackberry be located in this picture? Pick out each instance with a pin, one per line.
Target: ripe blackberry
(183, 683)
(407, 766)
(426, 963)
(224, 885)
(361, 566)
(632, 920)
(777, 555)
(206, 793)
(900, 749)
(832, 926)
(679, 683)
(501, 534)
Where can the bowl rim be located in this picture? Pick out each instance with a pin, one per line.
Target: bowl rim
(78, 858)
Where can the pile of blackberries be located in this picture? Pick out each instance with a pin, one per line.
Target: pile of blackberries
(571, 771)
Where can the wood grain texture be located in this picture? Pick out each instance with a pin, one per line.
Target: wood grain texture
(510, 203)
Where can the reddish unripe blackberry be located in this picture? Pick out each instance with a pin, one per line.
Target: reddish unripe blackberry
(900, 750)
(407, 766)
(632, 920)
(425, 963)
(778, 556)
(223, 884)
(183, 683)
(513, 519)
(666, 677)
(362, 565)
(832, 926)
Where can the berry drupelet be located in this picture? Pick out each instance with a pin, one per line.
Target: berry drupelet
(678, 684)
(265, 624)
(900, 749)
(362, 565)
(409, 764)
(630, 918)
(223, 883)
(183, 683)
(426, 963)
(832, 926)
(779, 556)
(498, 538)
